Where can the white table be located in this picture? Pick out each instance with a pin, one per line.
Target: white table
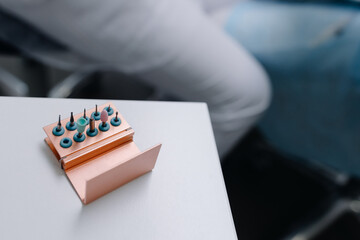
(184, 197)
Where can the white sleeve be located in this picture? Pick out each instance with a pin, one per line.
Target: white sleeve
(135, 35)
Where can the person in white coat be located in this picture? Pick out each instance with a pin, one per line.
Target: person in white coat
(174, 45)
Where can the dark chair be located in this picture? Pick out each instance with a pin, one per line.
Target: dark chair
(11, 85)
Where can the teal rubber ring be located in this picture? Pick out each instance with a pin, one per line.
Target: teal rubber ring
(65, 142)
(58, 133)
(110, 112)
(104, 129)
(91, 134)
(69, 127)
(96, 117)
(79, 139)
(114, 122)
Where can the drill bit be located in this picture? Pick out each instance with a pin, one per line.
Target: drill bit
(72, 121)
(80, 125)
(59, 124)
(84, 113)
(92, 125)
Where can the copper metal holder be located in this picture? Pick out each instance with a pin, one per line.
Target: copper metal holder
(102, 163)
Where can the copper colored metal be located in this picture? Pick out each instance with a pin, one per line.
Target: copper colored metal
(108, 179)
(103, 163)
(96, 149)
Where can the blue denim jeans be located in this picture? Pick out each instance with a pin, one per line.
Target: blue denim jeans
(312, 55)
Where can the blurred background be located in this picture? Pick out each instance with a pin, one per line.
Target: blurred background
(295, 175)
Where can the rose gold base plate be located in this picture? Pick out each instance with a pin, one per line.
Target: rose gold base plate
(108, 171)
